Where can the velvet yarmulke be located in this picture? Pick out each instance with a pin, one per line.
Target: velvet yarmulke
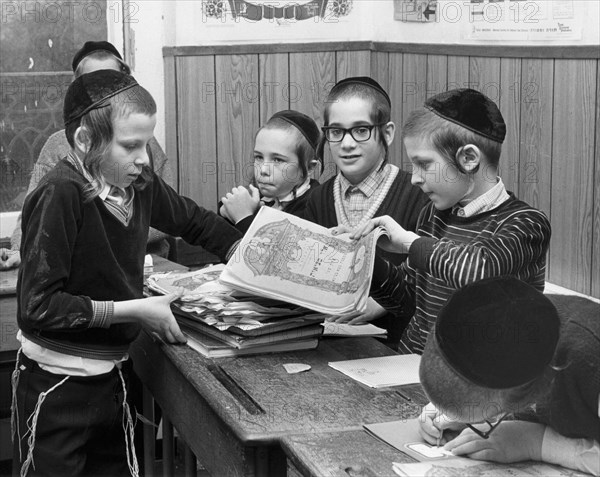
(498, 332)
(470, 109)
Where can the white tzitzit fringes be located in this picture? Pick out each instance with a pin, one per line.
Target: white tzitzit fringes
(14, 411)
(32, 424)
(128, 429)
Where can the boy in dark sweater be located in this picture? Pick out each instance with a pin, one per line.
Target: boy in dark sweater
(80, 301)
(472, 229)
(500, 347)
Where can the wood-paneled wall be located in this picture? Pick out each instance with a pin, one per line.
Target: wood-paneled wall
(217, 97)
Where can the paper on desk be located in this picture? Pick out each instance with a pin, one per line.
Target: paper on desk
(382, 372)
(404, 436)
(343, 329)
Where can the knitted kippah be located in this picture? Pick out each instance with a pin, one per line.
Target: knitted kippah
(498, 333)
(90, 91)
(303, 123)
(470, 109)
(365, 80)
(90, 47)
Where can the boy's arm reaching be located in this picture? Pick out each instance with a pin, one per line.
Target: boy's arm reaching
(181, 217)
(392, 287)
(521, 240)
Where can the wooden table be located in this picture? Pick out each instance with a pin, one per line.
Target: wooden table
(233, 412)
(340, 454)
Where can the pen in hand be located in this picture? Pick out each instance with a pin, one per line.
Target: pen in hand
(439, 439)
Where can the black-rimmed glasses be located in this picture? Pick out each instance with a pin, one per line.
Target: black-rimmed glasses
(358, 133)
(485, 435)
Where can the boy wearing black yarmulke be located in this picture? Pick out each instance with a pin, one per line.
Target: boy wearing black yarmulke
(472, 229)
(502, 351)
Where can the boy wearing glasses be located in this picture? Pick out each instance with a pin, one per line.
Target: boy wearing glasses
(358, 132)
(517, 373)
(472, 229)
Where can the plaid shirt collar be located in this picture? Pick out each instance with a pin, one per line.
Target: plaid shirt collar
(74, 159)
(368, 185)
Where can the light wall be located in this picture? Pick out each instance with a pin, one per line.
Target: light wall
(154, 24)
(454, 22)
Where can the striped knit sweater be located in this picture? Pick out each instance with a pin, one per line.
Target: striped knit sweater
(452, 251)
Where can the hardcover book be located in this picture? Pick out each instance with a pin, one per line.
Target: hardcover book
(213, 348)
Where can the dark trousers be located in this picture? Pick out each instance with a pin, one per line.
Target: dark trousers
(79, 429)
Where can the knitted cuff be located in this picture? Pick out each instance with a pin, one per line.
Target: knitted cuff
(102, 314)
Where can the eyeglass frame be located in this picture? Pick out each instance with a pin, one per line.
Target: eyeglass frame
(370, 127)
(486, 435)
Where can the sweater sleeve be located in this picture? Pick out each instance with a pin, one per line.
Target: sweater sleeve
(393, 287)
(181, 217)
(51, 217)
(520, 240)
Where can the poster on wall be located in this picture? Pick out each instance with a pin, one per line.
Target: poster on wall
(523, 20)
(415, 10)
(286, 11)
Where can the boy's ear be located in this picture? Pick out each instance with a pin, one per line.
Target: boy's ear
(311, 165)
(389, 131)
(468, 158)
(81, 139)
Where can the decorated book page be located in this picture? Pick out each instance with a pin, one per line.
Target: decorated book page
(294, 260)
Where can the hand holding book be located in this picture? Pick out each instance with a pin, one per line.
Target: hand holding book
(396, 240)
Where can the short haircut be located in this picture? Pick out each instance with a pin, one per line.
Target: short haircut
(381, 111)
(102, 55)
(447, 137)
(99, 127)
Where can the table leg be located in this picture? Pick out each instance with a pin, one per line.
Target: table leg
(189, 461)
(167, 446)
(148, 432)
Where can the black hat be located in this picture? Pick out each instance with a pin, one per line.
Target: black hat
(365, 80)
(90, 47)
(305, 124)
(498, 333)
(470, 109)
(90, 91)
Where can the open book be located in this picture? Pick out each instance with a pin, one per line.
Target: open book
(294, 260)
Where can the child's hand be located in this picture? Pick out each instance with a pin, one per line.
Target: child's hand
(512, 441)
(341, 229)
(373, 311)
(433, 423)
(240, 203)
(398, 240)
(9, 258)
(155, 315)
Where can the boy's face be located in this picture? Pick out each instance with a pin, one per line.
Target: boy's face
(443, 183)
(276, 168)
(356, 160)
(127, 154)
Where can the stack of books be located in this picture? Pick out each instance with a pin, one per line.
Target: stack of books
(220, 321)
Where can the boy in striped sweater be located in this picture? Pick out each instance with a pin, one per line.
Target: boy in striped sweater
(472, 229)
